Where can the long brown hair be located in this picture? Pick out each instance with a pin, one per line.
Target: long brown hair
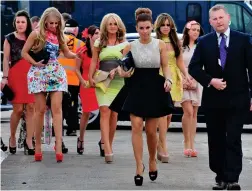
(91, 31)
(186, 38)
(172, 34)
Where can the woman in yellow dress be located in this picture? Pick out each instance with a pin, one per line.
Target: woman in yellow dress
(166, 30)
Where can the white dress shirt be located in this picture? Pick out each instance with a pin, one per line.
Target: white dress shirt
(226, 35)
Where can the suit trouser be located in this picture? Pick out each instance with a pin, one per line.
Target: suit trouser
(70, 110)
(224, 128)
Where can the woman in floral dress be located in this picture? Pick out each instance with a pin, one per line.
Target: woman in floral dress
(48, 78)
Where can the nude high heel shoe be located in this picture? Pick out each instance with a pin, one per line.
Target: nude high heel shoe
(109, 158)
(163, 158)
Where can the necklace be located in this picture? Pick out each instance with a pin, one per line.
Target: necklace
(111, 44)
(166, 39)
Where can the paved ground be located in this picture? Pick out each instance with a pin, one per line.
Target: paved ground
(89, 171)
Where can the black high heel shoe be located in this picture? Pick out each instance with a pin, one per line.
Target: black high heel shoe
(80, 149)
(3, 146)
(12, 150)
(153, 175)
(102, 153)
(64, 148)
(27, 150)
(139, 179)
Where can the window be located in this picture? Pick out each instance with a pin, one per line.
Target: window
(193, 12)
(247, 22)
(236, 16)
(63, 6)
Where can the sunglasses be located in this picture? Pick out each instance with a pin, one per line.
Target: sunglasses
(167, 25)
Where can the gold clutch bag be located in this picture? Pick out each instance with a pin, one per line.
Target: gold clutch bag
(102, 80)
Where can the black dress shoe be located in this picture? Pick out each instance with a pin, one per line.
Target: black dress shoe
(220, 186)
(233, 186)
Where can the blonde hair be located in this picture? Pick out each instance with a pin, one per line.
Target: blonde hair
(103, 29)
(41, 37)
(217, 8)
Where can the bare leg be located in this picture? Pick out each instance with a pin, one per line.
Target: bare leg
(151, 130)
(56, 106)
(163, 124)
(29, 114)
(40, 106)
(83, 124)
(194, 126)
(137, 142)
(113, 125)
(187, 123)
(14, 120)
(105, 113)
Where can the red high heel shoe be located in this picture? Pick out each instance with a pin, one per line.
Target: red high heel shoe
(38, 156)
(59, 157)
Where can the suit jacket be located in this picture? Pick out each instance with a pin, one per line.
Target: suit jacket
(238, 68)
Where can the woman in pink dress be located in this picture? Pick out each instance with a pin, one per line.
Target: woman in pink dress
(88, 96)
(192, 93)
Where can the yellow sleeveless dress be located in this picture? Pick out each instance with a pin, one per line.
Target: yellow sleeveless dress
(177, 83)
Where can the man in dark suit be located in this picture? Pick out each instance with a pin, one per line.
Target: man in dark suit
(220, 64)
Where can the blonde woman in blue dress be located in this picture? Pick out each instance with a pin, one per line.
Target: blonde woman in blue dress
(108, 48)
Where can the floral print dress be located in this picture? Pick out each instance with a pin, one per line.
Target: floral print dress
(51, 77)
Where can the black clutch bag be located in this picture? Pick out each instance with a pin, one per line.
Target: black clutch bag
(41, 55)
(127, 62)
(9, 94)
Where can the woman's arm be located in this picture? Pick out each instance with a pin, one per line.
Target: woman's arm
(6, 59)
(126, 49)
(27, 47)
(181, 65)
(165, 67)
(164, 60)
(92, 67)
(78, 73)
(67, 53)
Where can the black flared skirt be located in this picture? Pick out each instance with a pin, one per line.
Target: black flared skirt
(144, 95)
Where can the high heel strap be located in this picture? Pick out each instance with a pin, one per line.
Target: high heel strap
(80, 149)
(27, 150)
(102, 153)
(63, 147)
(12, 150)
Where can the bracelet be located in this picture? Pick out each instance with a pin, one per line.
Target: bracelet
(5, 77)
(169, 80)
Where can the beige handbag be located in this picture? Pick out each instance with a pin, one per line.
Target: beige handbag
(102, 80)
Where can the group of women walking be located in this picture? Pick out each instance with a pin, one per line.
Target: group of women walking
(158, 81)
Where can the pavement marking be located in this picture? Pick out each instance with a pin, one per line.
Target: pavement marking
(3, 156)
